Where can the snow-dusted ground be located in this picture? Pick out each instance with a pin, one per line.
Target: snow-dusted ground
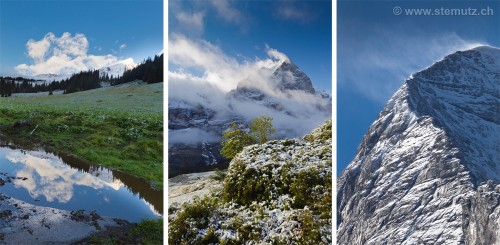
(183, 188)
(275, 193)
(37, 94)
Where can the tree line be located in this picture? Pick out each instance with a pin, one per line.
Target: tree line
(150, 71)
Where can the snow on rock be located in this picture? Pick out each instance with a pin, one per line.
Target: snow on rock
(291, 98)
(43, 78)
(277, 192)
(117, 69)
(185, 187)
(420, 171)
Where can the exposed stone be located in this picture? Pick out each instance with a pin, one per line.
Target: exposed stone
(22, 123)
(428, 169)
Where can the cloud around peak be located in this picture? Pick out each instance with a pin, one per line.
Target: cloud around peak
(217, 68)
(202, 74)
(66, 54)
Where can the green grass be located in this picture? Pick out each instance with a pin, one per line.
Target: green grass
(147, 232)
(119, 127)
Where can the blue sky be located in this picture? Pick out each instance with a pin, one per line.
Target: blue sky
(244, 31)
(377, 50)
(113, 30)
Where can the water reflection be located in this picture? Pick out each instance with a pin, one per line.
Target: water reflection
(66, 183)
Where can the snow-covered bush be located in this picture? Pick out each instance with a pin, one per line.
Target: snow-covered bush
(275, 193)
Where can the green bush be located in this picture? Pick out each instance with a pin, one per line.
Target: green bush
(261, 128)
(183, 229)
(309, 229)
(244, 185)
(149, 231)
(234, 139)
(219, 175)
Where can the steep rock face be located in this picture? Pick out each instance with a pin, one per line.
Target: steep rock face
(415, 177)
(290, 77)
(481, 215)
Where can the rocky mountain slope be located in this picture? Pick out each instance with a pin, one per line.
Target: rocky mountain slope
(275, 193)
(205, 122)
(428, 169)
(117, 69)
(185, 187)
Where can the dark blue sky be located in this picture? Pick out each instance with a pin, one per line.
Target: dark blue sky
(135, 26)
(301, 30)
(377, 50)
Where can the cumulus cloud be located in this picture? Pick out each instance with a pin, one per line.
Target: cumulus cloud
(38, 49)
(62, 55)
(204, 76)
(377, 68)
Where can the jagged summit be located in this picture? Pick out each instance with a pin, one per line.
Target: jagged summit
(461, 93)
(485, 48)
(290, 77)
(417, 172)
(285, 77)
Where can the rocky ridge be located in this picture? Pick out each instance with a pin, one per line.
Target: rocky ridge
(427, 170)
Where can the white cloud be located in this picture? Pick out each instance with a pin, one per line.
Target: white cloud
(294, 13)
(62, 55)
(217, 68)
(38, 49)
(123, 46)
(203, 56)
(273, 53)
(72, 46)
(192, 22)
(218, 74)
(190, 17)
(226, 11)
(377, 68)
(191, 136)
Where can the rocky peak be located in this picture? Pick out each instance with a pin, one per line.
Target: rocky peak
(286, 77)
(290, 77)
(419, 172)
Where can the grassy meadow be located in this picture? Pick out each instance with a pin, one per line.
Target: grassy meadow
(117, 127)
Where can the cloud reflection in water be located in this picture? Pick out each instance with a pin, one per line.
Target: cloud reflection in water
(50, 177)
